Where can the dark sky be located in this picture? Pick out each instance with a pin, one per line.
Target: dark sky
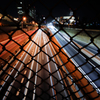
(88, 9)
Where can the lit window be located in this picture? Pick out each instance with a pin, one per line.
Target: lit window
(20, 2)
(19, 7)
(20, 12)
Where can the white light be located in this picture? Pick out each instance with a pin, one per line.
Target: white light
(20, 2)
(43, 17)
(20, 12)
(19, 7)
(71, 20)
(16, 19)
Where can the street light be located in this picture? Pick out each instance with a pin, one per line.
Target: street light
(33, 22)
(23, 20)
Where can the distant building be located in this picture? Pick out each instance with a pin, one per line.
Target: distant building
(71, 13)
(32, 14)
(21, 6)
(66, 20)
(6, 20)
(69, 19)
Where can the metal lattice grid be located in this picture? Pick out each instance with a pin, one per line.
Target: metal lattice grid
(56, 60)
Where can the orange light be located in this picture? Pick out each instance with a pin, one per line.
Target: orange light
(0, 24)
(24, 18)
(36, 23)
(33, 22)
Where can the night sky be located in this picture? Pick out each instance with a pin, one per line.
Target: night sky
(88, 9)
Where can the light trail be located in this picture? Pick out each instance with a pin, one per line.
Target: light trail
(51, 54)
(53, 29)
(9, 88)
(51, 80)
(32, 65)
(40, 39)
